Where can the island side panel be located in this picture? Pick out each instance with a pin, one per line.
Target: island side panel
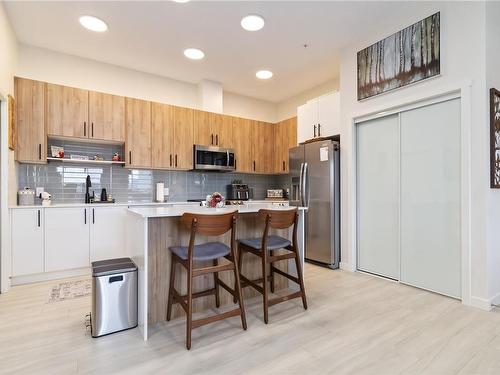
(137, 250)
(168, 231)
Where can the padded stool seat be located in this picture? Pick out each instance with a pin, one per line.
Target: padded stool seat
(273, 243)
(206, 251)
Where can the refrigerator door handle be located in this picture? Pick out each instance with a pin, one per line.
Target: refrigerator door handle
(301, 179)
(305, 186)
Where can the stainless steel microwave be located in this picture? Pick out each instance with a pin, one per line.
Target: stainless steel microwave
(213, 158)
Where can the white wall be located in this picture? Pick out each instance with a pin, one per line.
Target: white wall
(493, 203)
(288, 108)
(8, 60)
(45, 65)
(463, 59)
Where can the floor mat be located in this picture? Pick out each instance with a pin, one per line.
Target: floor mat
(70, 290)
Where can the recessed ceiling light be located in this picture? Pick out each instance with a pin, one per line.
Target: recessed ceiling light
(252, 22)
(181, 1)
(264, 74)
(93, 23)
(194, 53)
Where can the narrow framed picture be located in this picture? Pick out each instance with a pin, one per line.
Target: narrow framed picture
(495, 138)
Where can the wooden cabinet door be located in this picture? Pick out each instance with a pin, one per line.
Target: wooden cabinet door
(107, 233)
(242, 135)
(264, 150)
(279, 138)
(106, 117)
(203, 132)
(138, 133)
(27, 241)
(66, 238)
(183, 137)
(67, 111)
(30, 117)
(224, 131)
(162, 130)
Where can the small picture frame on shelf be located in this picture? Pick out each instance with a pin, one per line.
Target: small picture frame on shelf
(494, 138)
(57, 152)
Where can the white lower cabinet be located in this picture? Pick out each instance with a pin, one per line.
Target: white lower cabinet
(66, 238)
(27, 241)
(107, 232)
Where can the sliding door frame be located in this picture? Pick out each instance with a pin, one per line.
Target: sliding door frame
(463, 92)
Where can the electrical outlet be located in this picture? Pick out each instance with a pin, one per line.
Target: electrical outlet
(39, 191)
(166, 192)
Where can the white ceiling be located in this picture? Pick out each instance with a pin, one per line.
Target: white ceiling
(151, 36)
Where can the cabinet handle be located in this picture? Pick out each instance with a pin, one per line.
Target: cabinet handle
(254, 165)
(130, 157)
(84, 128)
(176, 160)
(92, 129)
(217, 139)
(85, 215)
(93, 216)
(39, 151)
(212, 141)
(283, 165)
(314, 131)
(319, 130)
(38, 218)
(170, 159)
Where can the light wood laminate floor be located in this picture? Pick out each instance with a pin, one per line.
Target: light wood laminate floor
(356, 324)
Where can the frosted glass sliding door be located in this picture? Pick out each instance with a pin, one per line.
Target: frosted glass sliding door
(378, 196)
(430, 198)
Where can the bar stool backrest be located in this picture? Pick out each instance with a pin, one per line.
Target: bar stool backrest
(279, 219)
(209, 225)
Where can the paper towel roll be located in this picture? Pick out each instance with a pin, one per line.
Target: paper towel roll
(160, 192)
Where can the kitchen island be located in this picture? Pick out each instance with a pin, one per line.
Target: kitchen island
(150, 231)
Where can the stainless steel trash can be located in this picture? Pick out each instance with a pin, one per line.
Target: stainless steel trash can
(114, 296)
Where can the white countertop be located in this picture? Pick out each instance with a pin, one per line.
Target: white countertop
(127, 204)
(179, 210)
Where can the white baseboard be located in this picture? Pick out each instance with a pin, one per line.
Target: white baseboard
(481, 303)
(39, 277)
(346, 267)
(495, 300)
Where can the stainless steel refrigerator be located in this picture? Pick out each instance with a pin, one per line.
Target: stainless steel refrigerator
(315, 183)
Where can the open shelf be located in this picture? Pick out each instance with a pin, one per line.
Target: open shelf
(101, 162)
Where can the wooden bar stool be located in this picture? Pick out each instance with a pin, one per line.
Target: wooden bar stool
(278, 219)
(209, 225)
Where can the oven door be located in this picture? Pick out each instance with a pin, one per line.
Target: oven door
(213, 158)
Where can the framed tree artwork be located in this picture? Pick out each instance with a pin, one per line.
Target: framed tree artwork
(494, 139)
(406, 57)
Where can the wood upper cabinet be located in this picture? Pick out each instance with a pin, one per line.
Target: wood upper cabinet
(242, 144)
(172, 136)
(183, 137)
(106, 117)
(162, 128)
(263, 151)
(67, 111)
(30, 116)
(212, 129)
(138, 133)
(285, 137)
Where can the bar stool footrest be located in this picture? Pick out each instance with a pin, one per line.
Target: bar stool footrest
(275, 301)
(215, 318)
(284, 274)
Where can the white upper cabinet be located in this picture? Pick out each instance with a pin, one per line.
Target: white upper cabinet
(27, 241)
(319, 117)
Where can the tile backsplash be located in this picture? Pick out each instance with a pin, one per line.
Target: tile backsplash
(66, 182)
